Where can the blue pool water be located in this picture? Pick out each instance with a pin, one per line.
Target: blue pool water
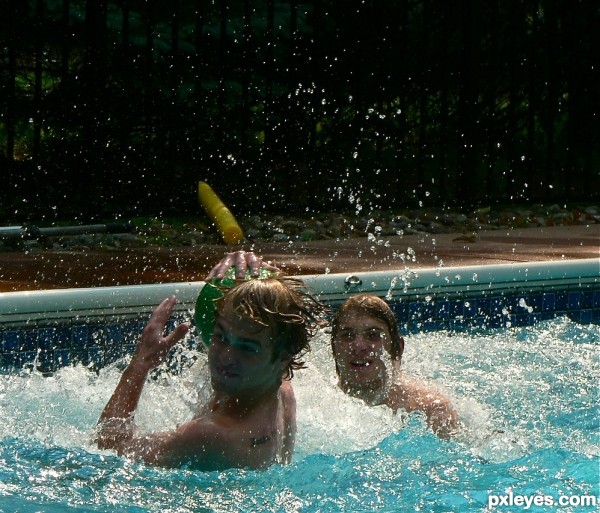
(528, 398)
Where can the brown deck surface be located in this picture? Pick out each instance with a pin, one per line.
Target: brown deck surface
(68, 269)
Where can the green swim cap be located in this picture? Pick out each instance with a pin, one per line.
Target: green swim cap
(204, 313)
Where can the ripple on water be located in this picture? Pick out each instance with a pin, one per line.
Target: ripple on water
(527, 397)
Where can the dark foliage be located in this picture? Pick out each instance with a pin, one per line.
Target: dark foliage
(118, 107)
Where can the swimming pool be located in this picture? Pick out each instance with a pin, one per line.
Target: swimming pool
(515, 346)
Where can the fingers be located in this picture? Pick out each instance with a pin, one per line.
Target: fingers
(161, 313)
(242, 261)
(219, 270)
(269, 267)
(177, 334)
(153, 346)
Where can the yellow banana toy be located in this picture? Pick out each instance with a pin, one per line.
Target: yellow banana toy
(226, 224)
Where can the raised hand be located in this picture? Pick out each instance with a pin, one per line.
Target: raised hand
(153, 346)
(242, 261)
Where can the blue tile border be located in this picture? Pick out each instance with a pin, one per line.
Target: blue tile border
(496, 310)
(46, 348)
(49, 345)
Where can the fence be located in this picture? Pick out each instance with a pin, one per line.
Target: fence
(120, 107)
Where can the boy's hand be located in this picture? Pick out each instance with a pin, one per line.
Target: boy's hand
(242, 261)
(153, 347)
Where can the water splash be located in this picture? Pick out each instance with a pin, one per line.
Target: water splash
(538, 428)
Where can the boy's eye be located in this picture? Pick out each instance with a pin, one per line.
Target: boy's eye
(247, 348)
(220, 338)
(347, 334)
(372, 335)
(375, 335)
(217, 337)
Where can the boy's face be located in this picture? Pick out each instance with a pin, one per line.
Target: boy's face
(360, 347)
(241, 356)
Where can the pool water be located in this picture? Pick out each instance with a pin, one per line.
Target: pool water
(528, 399)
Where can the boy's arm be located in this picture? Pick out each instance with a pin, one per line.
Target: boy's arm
(200, 442)
(441, 417)
(206, 443)
(418, 396)
(115, 427)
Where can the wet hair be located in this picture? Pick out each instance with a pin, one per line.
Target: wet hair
(375, 307)
(281, 304)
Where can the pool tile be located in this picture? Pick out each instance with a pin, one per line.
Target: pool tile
(95, 356)
(574, 300)
(546, 316)
(523, 319)
(97, 335)
(429, 326)
(62, 358)
(45, 361)
(53, 338)
(131, 331)
(80, 335)
(28, 357)
(456, 325)
(536, 301)
(11, 341)
(113, 334)
(11, 360)
(46, 338)
(561, 301)
(549, 302)
(456, 308)
(499, 306)
(498, 320)
(442, 309)
(520, 303)
(484, 306)
(104, 342)
(586, 299)
(470, 309)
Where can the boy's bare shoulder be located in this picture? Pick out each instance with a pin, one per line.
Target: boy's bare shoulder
(416, 395)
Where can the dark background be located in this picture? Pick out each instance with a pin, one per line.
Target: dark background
(118, 108)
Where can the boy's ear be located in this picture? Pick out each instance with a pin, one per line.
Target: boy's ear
(284, 360)
(285, 357)
(400, 348)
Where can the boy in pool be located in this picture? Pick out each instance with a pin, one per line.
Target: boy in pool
(367, 348)
(262, 329)
(364, 335)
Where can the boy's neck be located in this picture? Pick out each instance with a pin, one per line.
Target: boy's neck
(242, 405)
(373, 395)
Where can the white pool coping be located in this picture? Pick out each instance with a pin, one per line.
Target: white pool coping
(28, 306)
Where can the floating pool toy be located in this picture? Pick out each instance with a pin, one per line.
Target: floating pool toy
(226, 224)
(204, 313)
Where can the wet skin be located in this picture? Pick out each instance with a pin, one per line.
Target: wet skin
(250, 420)
(241, 357)
(362, 345)
(361, 348)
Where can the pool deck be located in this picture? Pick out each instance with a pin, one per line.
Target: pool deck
(67, 269)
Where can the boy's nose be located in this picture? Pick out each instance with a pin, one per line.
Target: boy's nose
(362, 345)
(223, 353)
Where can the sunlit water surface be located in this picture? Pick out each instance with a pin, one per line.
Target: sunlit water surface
(527, 397)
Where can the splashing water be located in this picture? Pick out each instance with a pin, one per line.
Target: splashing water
(527, 399)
